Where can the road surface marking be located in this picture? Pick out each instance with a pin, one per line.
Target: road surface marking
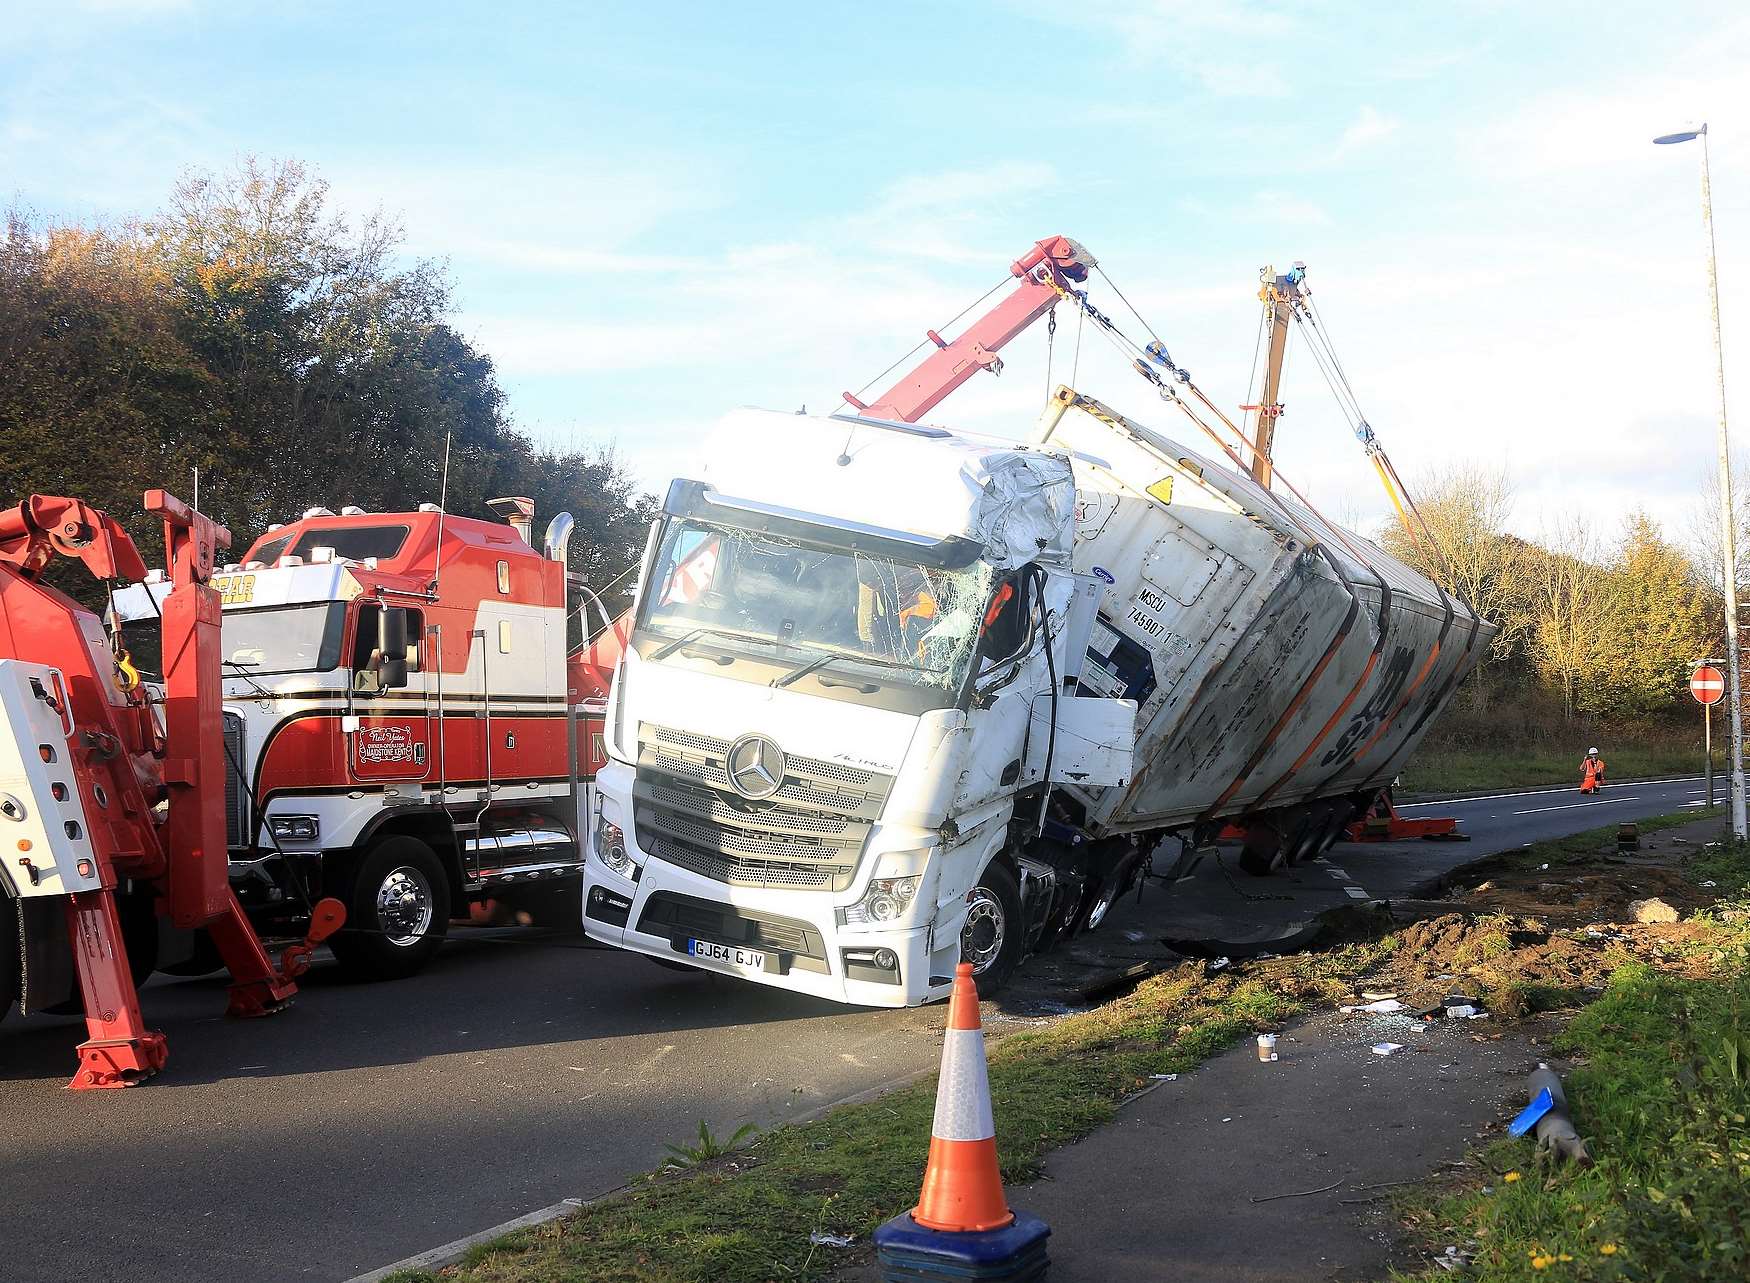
(1355, 893)
(1603, 801)
(1566, 788)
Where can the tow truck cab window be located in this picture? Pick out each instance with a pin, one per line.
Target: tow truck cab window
(365, 658)
(353, 542)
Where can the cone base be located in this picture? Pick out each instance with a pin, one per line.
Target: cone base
(911, 1253)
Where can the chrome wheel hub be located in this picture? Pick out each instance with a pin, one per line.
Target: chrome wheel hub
(981, 939)
(404, 906)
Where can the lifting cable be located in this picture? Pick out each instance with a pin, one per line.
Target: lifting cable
(1324, 355)
(1153, 362)
(1155, 355)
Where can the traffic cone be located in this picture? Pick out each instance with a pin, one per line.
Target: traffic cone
(962, 1227)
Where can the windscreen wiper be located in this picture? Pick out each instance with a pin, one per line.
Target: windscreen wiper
(796, 674)
(700, 631)
(243, 667)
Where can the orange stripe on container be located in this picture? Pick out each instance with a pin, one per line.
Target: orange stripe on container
(1324, 730)
(1402, 703)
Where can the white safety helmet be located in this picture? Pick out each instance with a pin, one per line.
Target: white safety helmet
(1591, 752)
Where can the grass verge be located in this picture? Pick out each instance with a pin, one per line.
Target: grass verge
(1661, 1091)
(1465, 770)
(747, 1217)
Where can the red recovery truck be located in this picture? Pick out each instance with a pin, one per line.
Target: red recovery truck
(111, 799)
(404, 727)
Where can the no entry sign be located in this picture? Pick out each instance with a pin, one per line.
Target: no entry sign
(1707, 684)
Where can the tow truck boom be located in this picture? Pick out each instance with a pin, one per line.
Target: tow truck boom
(93, 792)
(1045, 271)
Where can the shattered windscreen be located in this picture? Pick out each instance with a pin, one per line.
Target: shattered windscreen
(828, 615)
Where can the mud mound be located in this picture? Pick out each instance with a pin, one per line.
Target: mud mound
(1456, 942)
(1569, 897)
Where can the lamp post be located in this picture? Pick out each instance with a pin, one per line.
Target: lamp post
(1728, 522)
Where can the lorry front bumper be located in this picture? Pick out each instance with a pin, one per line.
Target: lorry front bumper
(787, 940)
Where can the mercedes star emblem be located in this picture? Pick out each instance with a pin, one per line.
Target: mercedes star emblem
(756, 767)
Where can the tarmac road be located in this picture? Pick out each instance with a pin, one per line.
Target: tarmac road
(373, 1122)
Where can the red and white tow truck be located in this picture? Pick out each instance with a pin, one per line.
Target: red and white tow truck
(404, 728)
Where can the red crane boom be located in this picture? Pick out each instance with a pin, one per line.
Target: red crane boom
(1050, 267)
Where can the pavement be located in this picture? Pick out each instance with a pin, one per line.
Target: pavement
(1272, 1188)
(371, 1123)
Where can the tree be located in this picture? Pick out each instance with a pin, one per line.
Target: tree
(290, 354)
(1473, 557)
(1571, 611)
(1661, 626)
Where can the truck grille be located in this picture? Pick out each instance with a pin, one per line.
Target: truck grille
(809, 835)
(681, 917)
(236, 796)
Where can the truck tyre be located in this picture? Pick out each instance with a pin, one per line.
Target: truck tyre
(397, 911)
(995, 930)
(10, 970)
(1114, 885)
(203, 961)
(1261, 853)
(139, 918)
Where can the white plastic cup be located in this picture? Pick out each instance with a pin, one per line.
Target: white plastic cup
(1266, 1047)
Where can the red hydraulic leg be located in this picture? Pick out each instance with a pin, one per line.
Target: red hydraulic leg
(121, 1051)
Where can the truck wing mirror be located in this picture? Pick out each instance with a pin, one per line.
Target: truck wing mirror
(392, 645)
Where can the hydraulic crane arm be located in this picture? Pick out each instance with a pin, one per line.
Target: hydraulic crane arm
(83, 769)
(1050, 267)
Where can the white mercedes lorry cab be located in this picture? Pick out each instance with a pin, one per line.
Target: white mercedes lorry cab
(832, 739)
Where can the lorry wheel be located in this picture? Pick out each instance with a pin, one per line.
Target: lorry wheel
(203, 961)
(10, 970)
(139, 919)
(994, 932)
(397, 911)
(1116, 884)
(1261, 854)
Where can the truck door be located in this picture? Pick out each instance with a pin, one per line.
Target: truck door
(393, 742)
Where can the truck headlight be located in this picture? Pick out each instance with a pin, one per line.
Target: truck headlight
(295, 828)
(886, 900)
(610, 846)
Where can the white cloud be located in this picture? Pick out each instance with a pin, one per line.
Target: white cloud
(1369, 127)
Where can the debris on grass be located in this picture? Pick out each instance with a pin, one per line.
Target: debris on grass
(1654, 910)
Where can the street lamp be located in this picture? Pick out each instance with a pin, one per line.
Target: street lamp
(1728, 524)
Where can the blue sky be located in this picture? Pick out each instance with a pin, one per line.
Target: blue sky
(652, 213)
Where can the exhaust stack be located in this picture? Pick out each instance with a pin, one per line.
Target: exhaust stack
(519, 511)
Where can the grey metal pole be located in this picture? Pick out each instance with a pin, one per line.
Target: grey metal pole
(1728, 522)
(1707, 741)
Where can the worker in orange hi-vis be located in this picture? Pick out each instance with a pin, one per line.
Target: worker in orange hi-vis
(1591, 771)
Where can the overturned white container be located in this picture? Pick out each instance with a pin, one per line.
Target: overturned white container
(1277, 660)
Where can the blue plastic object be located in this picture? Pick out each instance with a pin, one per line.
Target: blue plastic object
(909, 1253)
(1540, 1105)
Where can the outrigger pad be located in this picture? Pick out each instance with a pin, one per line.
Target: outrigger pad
(909, 1253)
